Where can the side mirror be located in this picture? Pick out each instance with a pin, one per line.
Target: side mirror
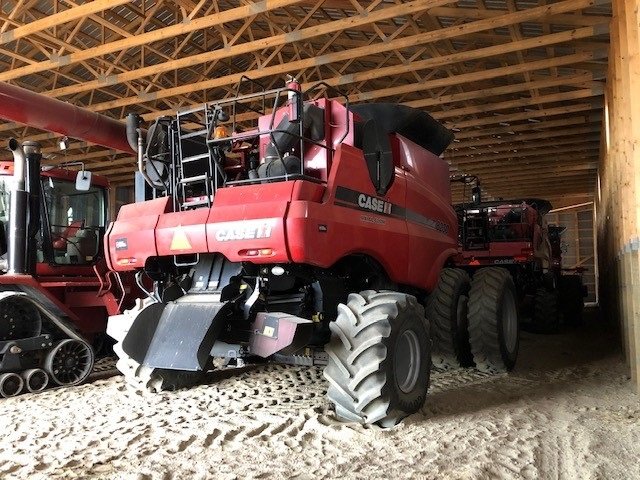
(476, 195)
(83, 180)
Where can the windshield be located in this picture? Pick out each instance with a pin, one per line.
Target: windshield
(75, 218)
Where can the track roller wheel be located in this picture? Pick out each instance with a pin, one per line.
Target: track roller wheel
(379, 358)
(10, 384)
(447, 314)
(493, 320)
(69, 362)
(35, 379)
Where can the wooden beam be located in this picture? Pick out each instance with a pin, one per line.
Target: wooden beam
(406, 42)
(261, 44)
(220, 18)
(522, 102)
(59, 18)
(515, 117)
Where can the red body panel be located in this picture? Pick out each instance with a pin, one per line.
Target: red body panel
(76, 290)
(80, 298)
(411, 231)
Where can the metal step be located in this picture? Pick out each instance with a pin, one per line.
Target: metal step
(197, 178)
(193, 158)
(195, 203)
(199, 133)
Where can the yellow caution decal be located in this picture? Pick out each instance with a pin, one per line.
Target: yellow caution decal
(180, 241)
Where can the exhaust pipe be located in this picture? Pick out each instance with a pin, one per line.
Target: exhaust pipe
(18, 213)
(10, 384)
(24, 217)
(32, 186)
(35, 379)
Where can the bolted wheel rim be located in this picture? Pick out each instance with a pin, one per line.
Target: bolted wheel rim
(70, 362)
(509, 321)
(407, 361)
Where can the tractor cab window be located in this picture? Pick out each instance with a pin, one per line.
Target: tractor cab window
(75, 220)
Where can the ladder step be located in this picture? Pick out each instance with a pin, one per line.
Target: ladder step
(193, 158)
(189, 111)
(199, 133)
(197, 178)
(195, 203)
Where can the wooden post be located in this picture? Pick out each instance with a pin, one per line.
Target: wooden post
(619, 200)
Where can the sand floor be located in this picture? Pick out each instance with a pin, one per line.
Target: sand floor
(567, 411)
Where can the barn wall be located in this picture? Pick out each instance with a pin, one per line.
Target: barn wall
(618, 190)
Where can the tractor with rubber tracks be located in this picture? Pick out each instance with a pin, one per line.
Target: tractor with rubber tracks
(55, 290)
(288, 227)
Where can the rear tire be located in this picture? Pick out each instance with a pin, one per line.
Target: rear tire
(493, 320)
(571, 299)
(545, 313)
(447, 313)
(379, 358)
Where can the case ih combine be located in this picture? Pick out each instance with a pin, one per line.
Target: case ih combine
(55, 293)
(320, 225)
(509, 242)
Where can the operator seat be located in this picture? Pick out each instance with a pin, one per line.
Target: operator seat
(285, 140)
(60, 241)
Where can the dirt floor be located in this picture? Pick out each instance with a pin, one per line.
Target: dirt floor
(567, 411)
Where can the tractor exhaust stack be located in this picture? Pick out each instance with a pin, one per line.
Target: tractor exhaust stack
(23, 221)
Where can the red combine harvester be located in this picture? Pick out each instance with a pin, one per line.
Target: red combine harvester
(55, 290)
(312, 236)
(509, 242)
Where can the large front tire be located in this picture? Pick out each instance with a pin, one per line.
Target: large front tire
(379, 358)
(493, 320)
(447, 313)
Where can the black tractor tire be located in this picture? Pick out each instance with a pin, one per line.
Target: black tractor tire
(571, 299)
(494, 330)
(447, 313)
(546, 318)
(379, 358)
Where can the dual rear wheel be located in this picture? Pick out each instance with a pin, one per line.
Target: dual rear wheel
(475, 321)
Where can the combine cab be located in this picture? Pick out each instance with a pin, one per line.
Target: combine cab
(54, 294)
(309, 235)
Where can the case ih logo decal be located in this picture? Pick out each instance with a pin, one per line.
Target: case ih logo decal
(243, 231)
(121, 244)
(345, 197)
(374, 204)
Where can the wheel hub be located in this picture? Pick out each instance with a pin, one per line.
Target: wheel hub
(407, 360)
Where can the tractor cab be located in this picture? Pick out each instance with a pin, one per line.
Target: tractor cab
(72, 220)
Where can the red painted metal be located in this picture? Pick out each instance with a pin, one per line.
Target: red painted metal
(39, 111)
(305, 222)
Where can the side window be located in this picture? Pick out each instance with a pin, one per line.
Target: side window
(75, 220)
